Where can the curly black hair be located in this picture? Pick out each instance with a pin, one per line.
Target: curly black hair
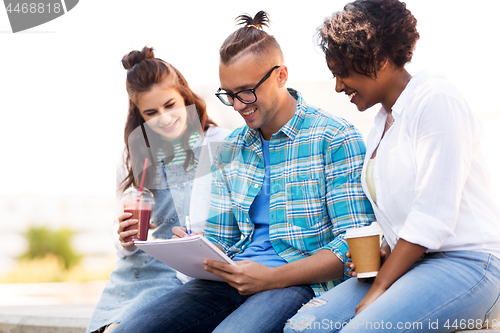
(366, 33)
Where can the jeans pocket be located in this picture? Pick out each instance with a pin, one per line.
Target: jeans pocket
(479, 260)
(493, 315)
(492, 318)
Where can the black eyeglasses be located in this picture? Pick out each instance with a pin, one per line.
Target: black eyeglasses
(246, 96)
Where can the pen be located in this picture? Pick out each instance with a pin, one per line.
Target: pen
(188, 225)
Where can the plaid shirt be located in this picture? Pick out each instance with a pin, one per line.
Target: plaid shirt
(315, 187)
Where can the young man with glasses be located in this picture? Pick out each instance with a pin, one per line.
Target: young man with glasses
(285, 188)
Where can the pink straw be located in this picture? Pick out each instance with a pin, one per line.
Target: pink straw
(143, 174)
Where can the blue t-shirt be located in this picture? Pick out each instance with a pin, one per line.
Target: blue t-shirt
(260, 249)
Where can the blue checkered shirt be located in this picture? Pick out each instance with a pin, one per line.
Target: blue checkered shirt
(315, 187)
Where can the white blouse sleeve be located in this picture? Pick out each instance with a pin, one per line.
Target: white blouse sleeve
(442, 136)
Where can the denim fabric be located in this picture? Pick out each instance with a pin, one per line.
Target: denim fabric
(139, 278)
(442, 292)
(171, 203)
(205, 306)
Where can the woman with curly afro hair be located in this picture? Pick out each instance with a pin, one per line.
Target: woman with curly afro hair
(425, 178)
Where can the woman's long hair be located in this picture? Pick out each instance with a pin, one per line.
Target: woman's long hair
(143, 72)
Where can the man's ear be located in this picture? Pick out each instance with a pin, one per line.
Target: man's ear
(282, 76)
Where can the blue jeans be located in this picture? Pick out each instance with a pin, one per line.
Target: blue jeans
(204, 306)
(442, 292)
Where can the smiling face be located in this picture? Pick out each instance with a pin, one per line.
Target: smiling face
(365, 91)
(362, 90)
(245, 73)
(164, 110)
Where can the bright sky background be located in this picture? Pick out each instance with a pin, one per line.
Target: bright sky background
(63, 101)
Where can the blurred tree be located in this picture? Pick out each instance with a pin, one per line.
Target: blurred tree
(43, 241)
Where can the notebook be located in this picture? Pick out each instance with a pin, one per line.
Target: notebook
(186, 254)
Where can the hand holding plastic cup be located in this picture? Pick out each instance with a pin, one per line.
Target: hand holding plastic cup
(364, 246)
(139, 204)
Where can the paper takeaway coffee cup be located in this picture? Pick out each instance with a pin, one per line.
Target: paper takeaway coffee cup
(364, 245)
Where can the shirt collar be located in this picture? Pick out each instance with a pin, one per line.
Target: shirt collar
(406, 94)
(401, 102)
(291, 128)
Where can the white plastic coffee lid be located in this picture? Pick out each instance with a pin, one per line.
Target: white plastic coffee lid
(371, 230)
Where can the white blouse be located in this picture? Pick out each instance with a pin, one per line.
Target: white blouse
(430, 178)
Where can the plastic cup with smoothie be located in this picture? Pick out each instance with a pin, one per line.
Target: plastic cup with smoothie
(139, 203)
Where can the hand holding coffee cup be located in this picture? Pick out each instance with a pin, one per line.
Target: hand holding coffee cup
(364, 250)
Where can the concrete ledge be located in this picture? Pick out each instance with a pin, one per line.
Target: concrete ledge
(10, 324)
(45, 319)
(33, 324)
(48, 307)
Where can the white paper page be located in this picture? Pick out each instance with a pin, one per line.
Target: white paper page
(186, 254)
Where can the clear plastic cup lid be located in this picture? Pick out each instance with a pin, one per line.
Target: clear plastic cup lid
(371, 230)
(132, 194)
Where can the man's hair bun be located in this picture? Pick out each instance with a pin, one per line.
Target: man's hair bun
(260, 20)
